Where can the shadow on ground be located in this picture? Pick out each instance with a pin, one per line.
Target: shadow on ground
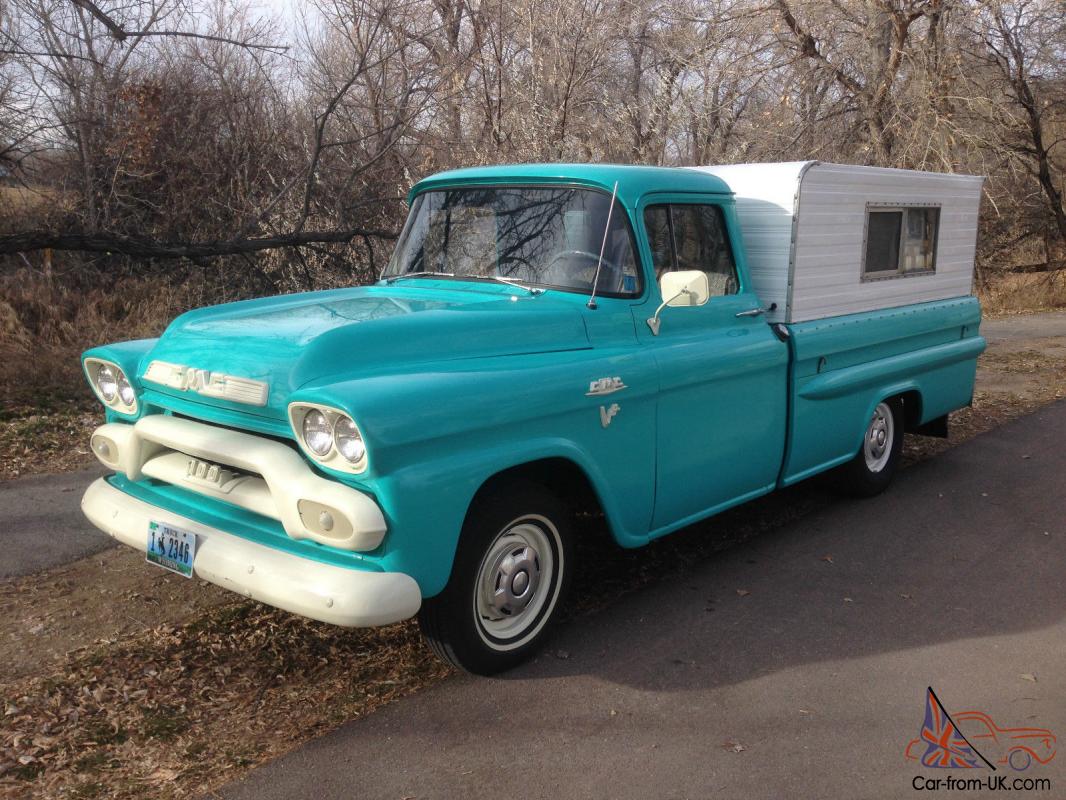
(792, 664)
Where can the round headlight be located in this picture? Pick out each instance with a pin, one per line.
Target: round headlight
(125, 391)
(318, 435)
(107, 383)
(349, 442)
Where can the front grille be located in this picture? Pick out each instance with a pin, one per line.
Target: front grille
(217, 480)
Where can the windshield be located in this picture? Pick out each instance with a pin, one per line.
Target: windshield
(547, 237)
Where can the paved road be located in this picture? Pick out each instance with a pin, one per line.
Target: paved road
(1021, 327)
(41, 524)
(810, 685)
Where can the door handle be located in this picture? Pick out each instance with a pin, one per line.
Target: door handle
(753, 312)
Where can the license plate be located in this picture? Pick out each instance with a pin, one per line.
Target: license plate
(171, 548)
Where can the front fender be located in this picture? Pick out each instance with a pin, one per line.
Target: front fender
(434, 438)
(425, 505)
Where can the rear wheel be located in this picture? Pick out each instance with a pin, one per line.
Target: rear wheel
(872, 468)
(510, 574)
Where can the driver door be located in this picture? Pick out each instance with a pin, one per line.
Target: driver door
(722, 377)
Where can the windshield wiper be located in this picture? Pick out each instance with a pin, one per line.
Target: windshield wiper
(423, 274)
(509, 281)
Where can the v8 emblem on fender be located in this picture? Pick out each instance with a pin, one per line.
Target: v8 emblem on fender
(607, 413)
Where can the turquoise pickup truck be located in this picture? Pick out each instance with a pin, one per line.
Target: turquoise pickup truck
(652, 344)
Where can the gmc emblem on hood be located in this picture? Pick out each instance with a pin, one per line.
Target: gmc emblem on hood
(207, 383)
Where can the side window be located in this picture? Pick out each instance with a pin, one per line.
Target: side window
(900, 241)
(684, 237)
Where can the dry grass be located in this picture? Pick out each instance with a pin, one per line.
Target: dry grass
(1024, 293)
(46, 322)
(20, 202)
(33, 441)
(184, 708)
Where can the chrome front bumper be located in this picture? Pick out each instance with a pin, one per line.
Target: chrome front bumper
(332, 594)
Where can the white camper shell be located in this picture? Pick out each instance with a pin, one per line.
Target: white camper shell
(824, 240)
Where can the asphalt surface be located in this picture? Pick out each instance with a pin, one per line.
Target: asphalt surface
(41, 524)
(794, 665)
(1021, 327)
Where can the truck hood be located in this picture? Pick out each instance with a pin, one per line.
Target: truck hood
(286, 342)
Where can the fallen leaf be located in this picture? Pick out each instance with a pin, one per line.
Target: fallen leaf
(743, 592)
(1028, 676)
(848, 600)
(733, 747)
(828, 559)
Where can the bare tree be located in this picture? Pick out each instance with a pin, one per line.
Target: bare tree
(864, 49)
(190, 129)
(1024, 42)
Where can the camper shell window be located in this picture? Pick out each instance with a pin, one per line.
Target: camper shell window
(900, 240)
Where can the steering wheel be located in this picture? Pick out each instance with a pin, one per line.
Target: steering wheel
(591, 259)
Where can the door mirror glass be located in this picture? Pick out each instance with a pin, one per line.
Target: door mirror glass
(685, 288)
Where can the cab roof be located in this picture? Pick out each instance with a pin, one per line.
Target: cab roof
(633, 181)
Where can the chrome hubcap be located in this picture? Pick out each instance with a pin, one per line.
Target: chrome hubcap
(511, 582)
(516, 581)
(877, 445)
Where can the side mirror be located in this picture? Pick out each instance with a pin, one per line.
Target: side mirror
(686, 288)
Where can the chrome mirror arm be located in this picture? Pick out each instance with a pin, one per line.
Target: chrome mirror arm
(654, 321)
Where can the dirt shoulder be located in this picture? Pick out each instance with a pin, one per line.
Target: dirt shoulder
(47, 439)
(117, 680)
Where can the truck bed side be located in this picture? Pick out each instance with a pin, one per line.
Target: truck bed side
(842, 367)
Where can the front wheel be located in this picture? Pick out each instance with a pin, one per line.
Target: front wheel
(872, 468)
(510, 574)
